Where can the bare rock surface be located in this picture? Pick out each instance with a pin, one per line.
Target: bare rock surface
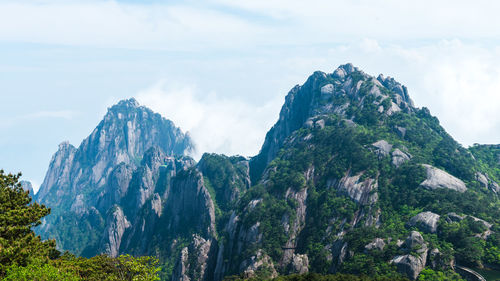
(425, 221)
(409, 264)
(437, 178)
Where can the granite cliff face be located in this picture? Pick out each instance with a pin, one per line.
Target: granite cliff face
(352, 173)
(82, 184)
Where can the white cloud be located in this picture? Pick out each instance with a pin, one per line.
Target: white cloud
(245, 24)
(229, 126)
(64, 114)
(11, 121)
(459, 82)
(113, 24)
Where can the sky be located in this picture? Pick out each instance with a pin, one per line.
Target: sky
(220, 69)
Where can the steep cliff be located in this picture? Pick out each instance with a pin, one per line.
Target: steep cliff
(82, 184)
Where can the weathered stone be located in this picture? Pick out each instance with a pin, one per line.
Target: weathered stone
(401, 131)
(414, 240)
(319, 124)
(181, 267)
(383, 148)
(453, 217)
(425, 221)
(399, 157)
(482, 179)
(299, 264)
(495, 187)
(116, 223)
(339, 73)
(437, 178)
(360, 191)
(409, 264)
(260, 261)
(27, 186)
(327, 89)
(377, 243)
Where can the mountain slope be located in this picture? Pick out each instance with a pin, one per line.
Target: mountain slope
(352, 178)
(83, 183)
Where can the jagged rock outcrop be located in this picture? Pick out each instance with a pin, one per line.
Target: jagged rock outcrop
(57, 178)
(293, 229)
(409, 264)
(383, 148)
(437, 178)
(361, 191)
(190, 204)
(86, 182)
(116, 224)
(193, 261)
(299, 264)
(27, 186)
(315, 97)
(181, 267)
(425, 221)
(377, 243)
(258, 262)
(399, 157)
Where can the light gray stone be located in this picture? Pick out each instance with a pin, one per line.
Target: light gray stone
(426, 221)
(399, 157)
(300, 264)
(383, 148)
(359, 191)
(482, 179)
(339, 73)
(437, 178)
(409, 264)
(116, 223)
(327, 89)
(377, 243)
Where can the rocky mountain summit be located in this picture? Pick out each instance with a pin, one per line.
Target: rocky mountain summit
(82, 184)
(352, 178)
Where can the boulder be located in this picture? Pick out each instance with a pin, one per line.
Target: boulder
(437, 178)
(377, 244)
(412, 263)
(425, 221)
(383, 148)
(339, 73)
(399, 157)
(414, 241)
(409, 265)
(482, 179)
(327, 89)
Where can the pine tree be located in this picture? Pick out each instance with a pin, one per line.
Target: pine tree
(18, 243)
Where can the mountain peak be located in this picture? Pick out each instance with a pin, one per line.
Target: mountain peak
(127, 103)
(345, 91)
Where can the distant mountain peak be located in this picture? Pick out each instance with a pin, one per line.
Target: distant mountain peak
(127, 103)
(126, 132)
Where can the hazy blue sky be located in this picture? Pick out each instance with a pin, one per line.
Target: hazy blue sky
(221, 68)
